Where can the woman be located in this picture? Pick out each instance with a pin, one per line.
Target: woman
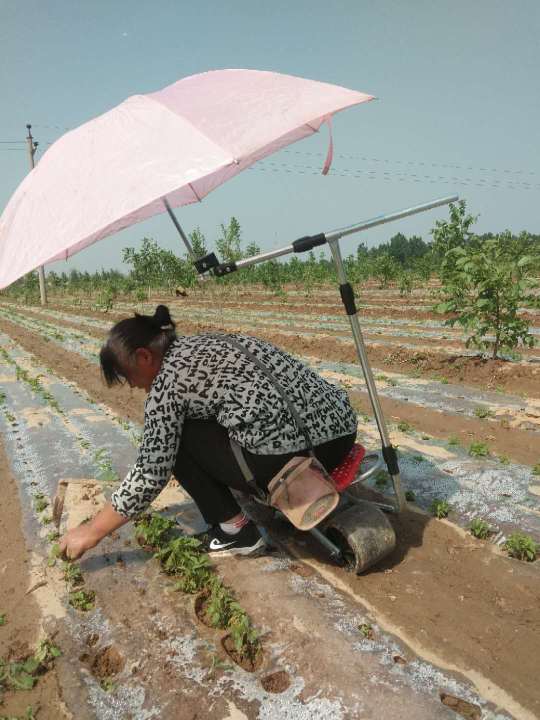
(203, 392)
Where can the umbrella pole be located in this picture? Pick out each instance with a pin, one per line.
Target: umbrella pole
(179, 228)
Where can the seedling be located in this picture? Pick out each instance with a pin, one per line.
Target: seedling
(23, 675)
(483, 412)
(183, 557)
(522, 546)
(108, 685)
(381, 479)
(404, 426)
(106, 473)
(418, 458)
(366, 630)
(480, 529)
(83, 600)
(478, 449)
(41, 502)
(221, 604)
(536, 469)
(53, 536)
(426, 437)
(440, 508)
(504, 459)
(72, 574)
(244, 635)
(54, 554)
(46, 519)
(153, 530)
(410, 496)
(453, 440)
(3, 619)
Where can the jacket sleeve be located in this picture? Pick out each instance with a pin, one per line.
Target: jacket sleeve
(163, 422)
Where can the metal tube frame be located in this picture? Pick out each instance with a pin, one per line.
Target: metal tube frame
(332, 239)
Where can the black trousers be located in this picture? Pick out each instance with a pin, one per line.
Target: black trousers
(206, 467)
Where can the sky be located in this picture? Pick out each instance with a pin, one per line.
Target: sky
(457, 109)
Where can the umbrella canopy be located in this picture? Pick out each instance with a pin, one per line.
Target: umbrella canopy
(176, 144)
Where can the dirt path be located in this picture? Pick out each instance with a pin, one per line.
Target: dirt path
(23, 628)
(453, 600)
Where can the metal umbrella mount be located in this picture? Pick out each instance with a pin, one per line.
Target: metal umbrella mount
(210, 264)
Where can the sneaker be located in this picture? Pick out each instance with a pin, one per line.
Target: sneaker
(246, 542)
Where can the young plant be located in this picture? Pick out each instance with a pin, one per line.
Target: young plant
(40, 502)
(480, 529)
(243, 634)
(453, 441)
(54, 554)
(183, 557)
(72, 574)
(367, 630)
(108, 685)
(478, 449)
(3, 619)
(404, 426)
(381, 479)
(483, 412)
(153, 530)
(522, 546)
(440, 508)
(53, 536)
(23, 675)
(221, 604)
(83, 600)
(536, 469)
(410, 496)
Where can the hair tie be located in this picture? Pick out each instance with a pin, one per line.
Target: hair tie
(169, 326)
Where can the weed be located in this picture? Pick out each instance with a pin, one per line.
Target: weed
(404, 426)
(72, 574)
(366, 630)
(453, 440)
(83, 600)
(440, 508)
(480, 529)
(183, 557)
(478, 449)
(536, 469)
(522, 546)
(483, 412)
(153, 530)
(410, 496)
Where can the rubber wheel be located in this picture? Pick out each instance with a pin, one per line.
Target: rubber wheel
(363, 533)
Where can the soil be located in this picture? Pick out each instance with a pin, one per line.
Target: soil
(247, 662)
(107, 662)
(448, 596)
(22, 631)
(201, 609)
(277, 682)
(466, 709)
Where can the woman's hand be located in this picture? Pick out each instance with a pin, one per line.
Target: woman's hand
(77, 541)
(80, 539)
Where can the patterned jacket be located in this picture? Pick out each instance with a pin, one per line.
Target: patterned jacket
(203, 377)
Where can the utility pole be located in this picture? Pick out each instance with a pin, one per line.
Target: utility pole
(32, 147)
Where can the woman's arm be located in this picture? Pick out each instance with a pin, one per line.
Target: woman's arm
(80, 539)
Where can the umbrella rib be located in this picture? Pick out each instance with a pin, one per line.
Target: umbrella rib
(193, 191)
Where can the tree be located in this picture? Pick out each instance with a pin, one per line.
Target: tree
(450, 234)
(488, 284)
(229, 243)
(385, 269)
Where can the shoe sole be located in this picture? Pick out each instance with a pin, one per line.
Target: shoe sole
(259, 546)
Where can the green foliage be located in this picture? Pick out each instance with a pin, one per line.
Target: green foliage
(480, 529)
(485, 281)
(536, 469)
(3, 619)
(384, 268)
(243, 634)
(83, 600)
(367, 630)
(184, 557)
(40, 502)
(522, 546)
(108, 684)
(153, 530)
(453, 440)
(483, 412)
(440, 508)
(404, 426)
(28, 715)
(478, 449)
(406, 282)
(72, 574)
(410, 496)
(24, 675)
(221, 604)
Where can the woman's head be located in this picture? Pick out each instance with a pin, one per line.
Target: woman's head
(135, 348)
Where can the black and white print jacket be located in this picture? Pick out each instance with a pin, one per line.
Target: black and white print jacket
(203, 377)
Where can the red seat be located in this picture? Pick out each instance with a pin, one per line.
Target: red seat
(344, 474)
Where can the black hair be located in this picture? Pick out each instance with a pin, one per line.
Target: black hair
(155, 332)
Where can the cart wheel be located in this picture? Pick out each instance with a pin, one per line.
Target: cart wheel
(363, 534)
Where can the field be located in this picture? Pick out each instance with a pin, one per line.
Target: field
(447, 627)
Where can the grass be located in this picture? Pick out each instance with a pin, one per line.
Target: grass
(522, 546)
(478, 449)
(480, 529)
(440, 508)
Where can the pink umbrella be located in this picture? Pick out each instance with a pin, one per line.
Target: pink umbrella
(170, 147)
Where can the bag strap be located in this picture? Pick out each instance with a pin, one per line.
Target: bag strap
(255, 360)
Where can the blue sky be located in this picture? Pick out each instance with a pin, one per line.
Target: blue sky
(458, 107)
